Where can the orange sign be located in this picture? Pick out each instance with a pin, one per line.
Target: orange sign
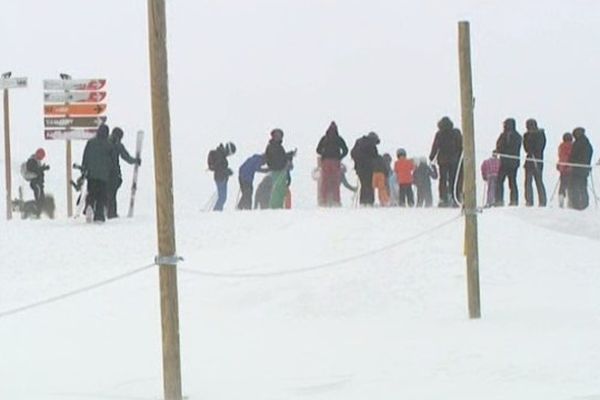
(75, 109)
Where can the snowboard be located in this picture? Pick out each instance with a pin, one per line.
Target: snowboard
(138, 151)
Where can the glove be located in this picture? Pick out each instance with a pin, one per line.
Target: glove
(138, 161)
(229, 172)
(46, 167)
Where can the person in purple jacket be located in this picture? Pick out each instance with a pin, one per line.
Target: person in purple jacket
(246, 177)
(490, 169)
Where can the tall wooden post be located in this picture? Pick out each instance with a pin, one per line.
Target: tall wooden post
(470, 195)
(69, 179)
(7, 158)
(163, 175)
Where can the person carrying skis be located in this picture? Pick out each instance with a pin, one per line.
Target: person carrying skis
(332, 149)
(581, 153)
(447, 148)
(404, 168)
(564, 154)
(364, 154)
(217, 162)
(490, 169)
(98, 164)
(246, 173)
(33, 171)
(115, 180)
(422, 176)
(279, 162)
(509, 144)
(534, 143)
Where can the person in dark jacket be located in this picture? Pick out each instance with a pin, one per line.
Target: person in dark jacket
(508, 143)
(364, 154)
(422, 176)
(279, 162)
(534, 143)
(447, 148)
(35, 175)
(98, 164)
(222, 172)
(332, 149)
(115, 179)
(581, 153)
(247, 170)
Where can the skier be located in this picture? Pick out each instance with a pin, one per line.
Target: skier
(246, 173)
(115, 179)
(447, 148)
(381, 172)
(364, 154)
(332, 149)
(279, 162)
(564, 154)
(422, 176)
(98, 163)
(217, 162)
(33, 171)
(508, 143)
(534, 143)
(404, 168)
(581, 153)
(490, 169)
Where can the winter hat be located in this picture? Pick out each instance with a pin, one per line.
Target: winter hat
(230, 148)
(102, 131)
(40, 154)
(373, 136)
(401, 152)
(277, 134)
(332, 130)
(445, 124)
(509, 124)
(387, 158)
(117, 132)
(578, 132)
(531, 124)
(567, 137)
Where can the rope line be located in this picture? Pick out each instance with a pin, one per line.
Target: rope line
(75, 292)
(318, 266)
(538, 160)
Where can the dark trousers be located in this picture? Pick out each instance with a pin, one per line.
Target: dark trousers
(113, 188)
(367, 195)
(405, 196)
(511, 174)
(424, 195)
(37, 186)
(97, 197)
(446, 184)
(246, 189)
(578, 194)
(532, 173)
(564, 184)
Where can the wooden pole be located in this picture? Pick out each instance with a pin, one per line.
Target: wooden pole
(163, 175)
(69, 178)
(470, 205)
(7, 159)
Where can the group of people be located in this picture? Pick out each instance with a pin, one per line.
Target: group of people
(393, 182)
(574, 166)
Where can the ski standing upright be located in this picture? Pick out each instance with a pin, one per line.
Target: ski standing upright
(138, 151)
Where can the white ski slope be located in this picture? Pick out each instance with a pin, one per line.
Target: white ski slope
(389, 324)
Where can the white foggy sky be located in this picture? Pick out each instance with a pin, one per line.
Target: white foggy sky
(240, 68)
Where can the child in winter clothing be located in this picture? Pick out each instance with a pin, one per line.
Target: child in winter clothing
(381, 171)
(564, 154)
(422, 176)
(404, 169)
(392, 182)
(490, 169)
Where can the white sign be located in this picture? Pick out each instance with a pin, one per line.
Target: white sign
(74, 84)
(69, 134)
(12, 83)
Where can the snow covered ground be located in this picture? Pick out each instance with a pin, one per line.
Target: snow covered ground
(389, 322)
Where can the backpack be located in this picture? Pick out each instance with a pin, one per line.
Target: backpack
(27, 174)
(212, 160)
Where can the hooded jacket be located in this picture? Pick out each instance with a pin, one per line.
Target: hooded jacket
(447, 144)
(581, 153)
(332, 145)
(275, 155)
(509, 142)
(98, 160)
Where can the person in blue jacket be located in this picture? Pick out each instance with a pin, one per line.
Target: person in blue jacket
(247, 170)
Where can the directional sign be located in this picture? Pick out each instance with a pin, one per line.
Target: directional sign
(11, 83)
(74, 84)
(74, 97)
(69, 134)
(77, 122)
(75, 109)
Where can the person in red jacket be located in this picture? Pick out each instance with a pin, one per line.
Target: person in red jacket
(564, 154)
(404, 168)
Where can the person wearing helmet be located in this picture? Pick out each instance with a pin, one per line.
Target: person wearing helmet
(115, 180)
(564, 153)
(98, 164)
(279, 163)
(35, 176)
(217, 162)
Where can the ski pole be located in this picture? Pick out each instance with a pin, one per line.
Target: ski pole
(210, 203)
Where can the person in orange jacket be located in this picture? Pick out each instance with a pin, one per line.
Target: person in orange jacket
(404, 168)
(564, 153)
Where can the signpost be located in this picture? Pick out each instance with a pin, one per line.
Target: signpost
(73, 110)
(6, 83)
